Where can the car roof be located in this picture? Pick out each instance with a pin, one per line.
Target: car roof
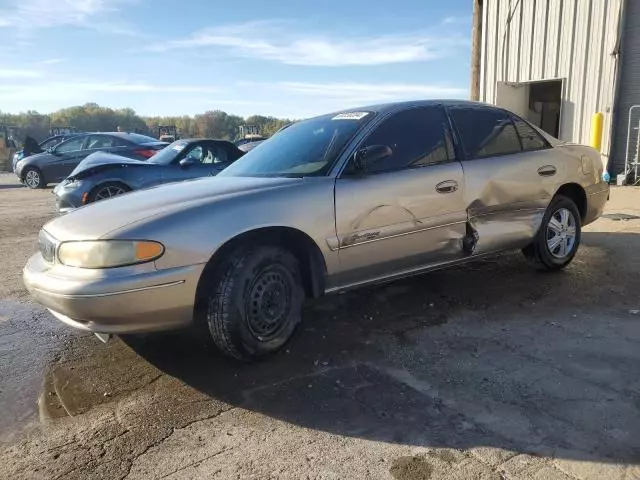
(393, 106)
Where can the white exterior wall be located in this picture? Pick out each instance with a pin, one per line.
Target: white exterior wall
(572, 40)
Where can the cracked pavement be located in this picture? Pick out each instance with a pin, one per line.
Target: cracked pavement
(487, 371)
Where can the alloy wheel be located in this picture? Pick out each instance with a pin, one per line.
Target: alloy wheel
(32, 179)
(561, 233)
(108, 192)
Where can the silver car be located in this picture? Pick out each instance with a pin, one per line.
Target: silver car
(331, 203)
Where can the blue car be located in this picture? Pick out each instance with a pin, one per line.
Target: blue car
(58, 162)
(44, 145)
(103, 175)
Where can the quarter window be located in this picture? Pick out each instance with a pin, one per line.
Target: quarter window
(486, 132)
(417, 137)
(531, 140)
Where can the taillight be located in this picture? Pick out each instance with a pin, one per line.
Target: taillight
(145, 152)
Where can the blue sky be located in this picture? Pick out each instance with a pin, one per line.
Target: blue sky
(282, 57)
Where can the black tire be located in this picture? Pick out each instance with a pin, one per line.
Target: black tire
(254, 301)
(96, 193)
(32, 178)
(540, 252)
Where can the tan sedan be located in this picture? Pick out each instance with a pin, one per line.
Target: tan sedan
(334, 202)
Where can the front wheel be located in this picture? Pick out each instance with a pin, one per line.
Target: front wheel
(107, 190)
(32, 178)
(558, 238)
(255, 301)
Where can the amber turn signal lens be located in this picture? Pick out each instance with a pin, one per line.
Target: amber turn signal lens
(148, 250)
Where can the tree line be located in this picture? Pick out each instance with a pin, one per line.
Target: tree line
(92, 117)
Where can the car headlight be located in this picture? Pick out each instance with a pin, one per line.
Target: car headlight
(70, 183)
(108, 253)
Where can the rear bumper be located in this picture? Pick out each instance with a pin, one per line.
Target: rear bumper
(597, 196)
(126, 300)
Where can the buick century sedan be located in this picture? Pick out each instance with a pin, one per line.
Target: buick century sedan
(330, 203)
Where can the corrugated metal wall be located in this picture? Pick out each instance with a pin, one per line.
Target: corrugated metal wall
(573, 40)
(629, 93)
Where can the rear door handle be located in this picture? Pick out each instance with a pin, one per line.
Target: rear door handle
(547, 171)
(448, 186)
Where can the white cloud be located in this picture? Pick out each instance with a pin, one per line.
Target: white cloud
(463, 20)
(301, 99)
(72, 89)
(13, 73)
(353, 93)
(26, 15)
(274, 41)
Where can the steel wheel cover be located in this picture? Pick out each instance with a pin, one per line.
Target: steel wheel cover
(268, 303)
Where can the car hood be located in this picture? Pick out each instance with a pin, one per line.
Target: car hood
(98, 219)
(38, 157)
(99, 159)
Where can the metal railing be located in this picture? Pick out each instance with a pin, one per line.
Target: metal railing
(632, 155)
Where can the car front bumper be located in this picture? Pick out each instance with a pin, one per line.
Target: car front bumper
(68, 196)
(117, 300)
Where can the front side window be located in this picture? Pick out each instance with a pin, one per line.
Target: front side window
(485, 132)
(213, 154)
(417, 137)
(531, 140)
(72, 145)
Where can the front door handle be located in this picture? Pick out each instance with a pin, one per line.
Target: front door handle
(547, 171)
(448, 186)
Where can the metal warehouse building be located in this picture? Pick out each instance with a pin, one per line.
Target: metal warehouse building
(560, 62)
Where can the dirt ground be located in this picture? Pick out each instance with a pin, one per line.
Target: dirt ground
(487, 371)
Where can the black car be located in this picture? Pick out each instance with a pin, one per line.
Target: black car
(102, 175)
(57, 163)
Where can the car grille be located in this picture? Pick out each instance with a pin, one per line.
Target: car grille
(47, 246)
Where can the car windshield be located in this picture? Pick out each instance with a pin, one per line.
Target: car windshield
(169, 153)
(307, 148)
(51, 142)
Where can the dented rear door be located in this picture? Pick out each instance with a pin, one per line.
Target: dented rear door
(407, 212)
(510, 176)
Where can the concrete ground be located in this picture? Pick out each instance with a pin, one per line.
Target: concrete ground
(488, 371)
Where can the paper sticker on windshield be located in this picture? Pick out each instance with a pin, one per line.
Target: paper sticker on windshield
(178, 148)
(350, 116)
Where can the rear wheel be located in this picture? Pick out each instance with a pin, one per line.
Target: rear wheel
(32, 178)
(108, 190)
(254, 301)
(558, 239)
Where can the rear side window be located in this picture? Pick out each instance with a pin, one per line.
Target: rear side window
(530, 138)
(418, 137)
(485, 132)
(105, 141)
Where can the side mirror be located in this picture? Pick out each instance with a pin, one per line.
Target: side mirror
(187, 162)
(367, 156)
